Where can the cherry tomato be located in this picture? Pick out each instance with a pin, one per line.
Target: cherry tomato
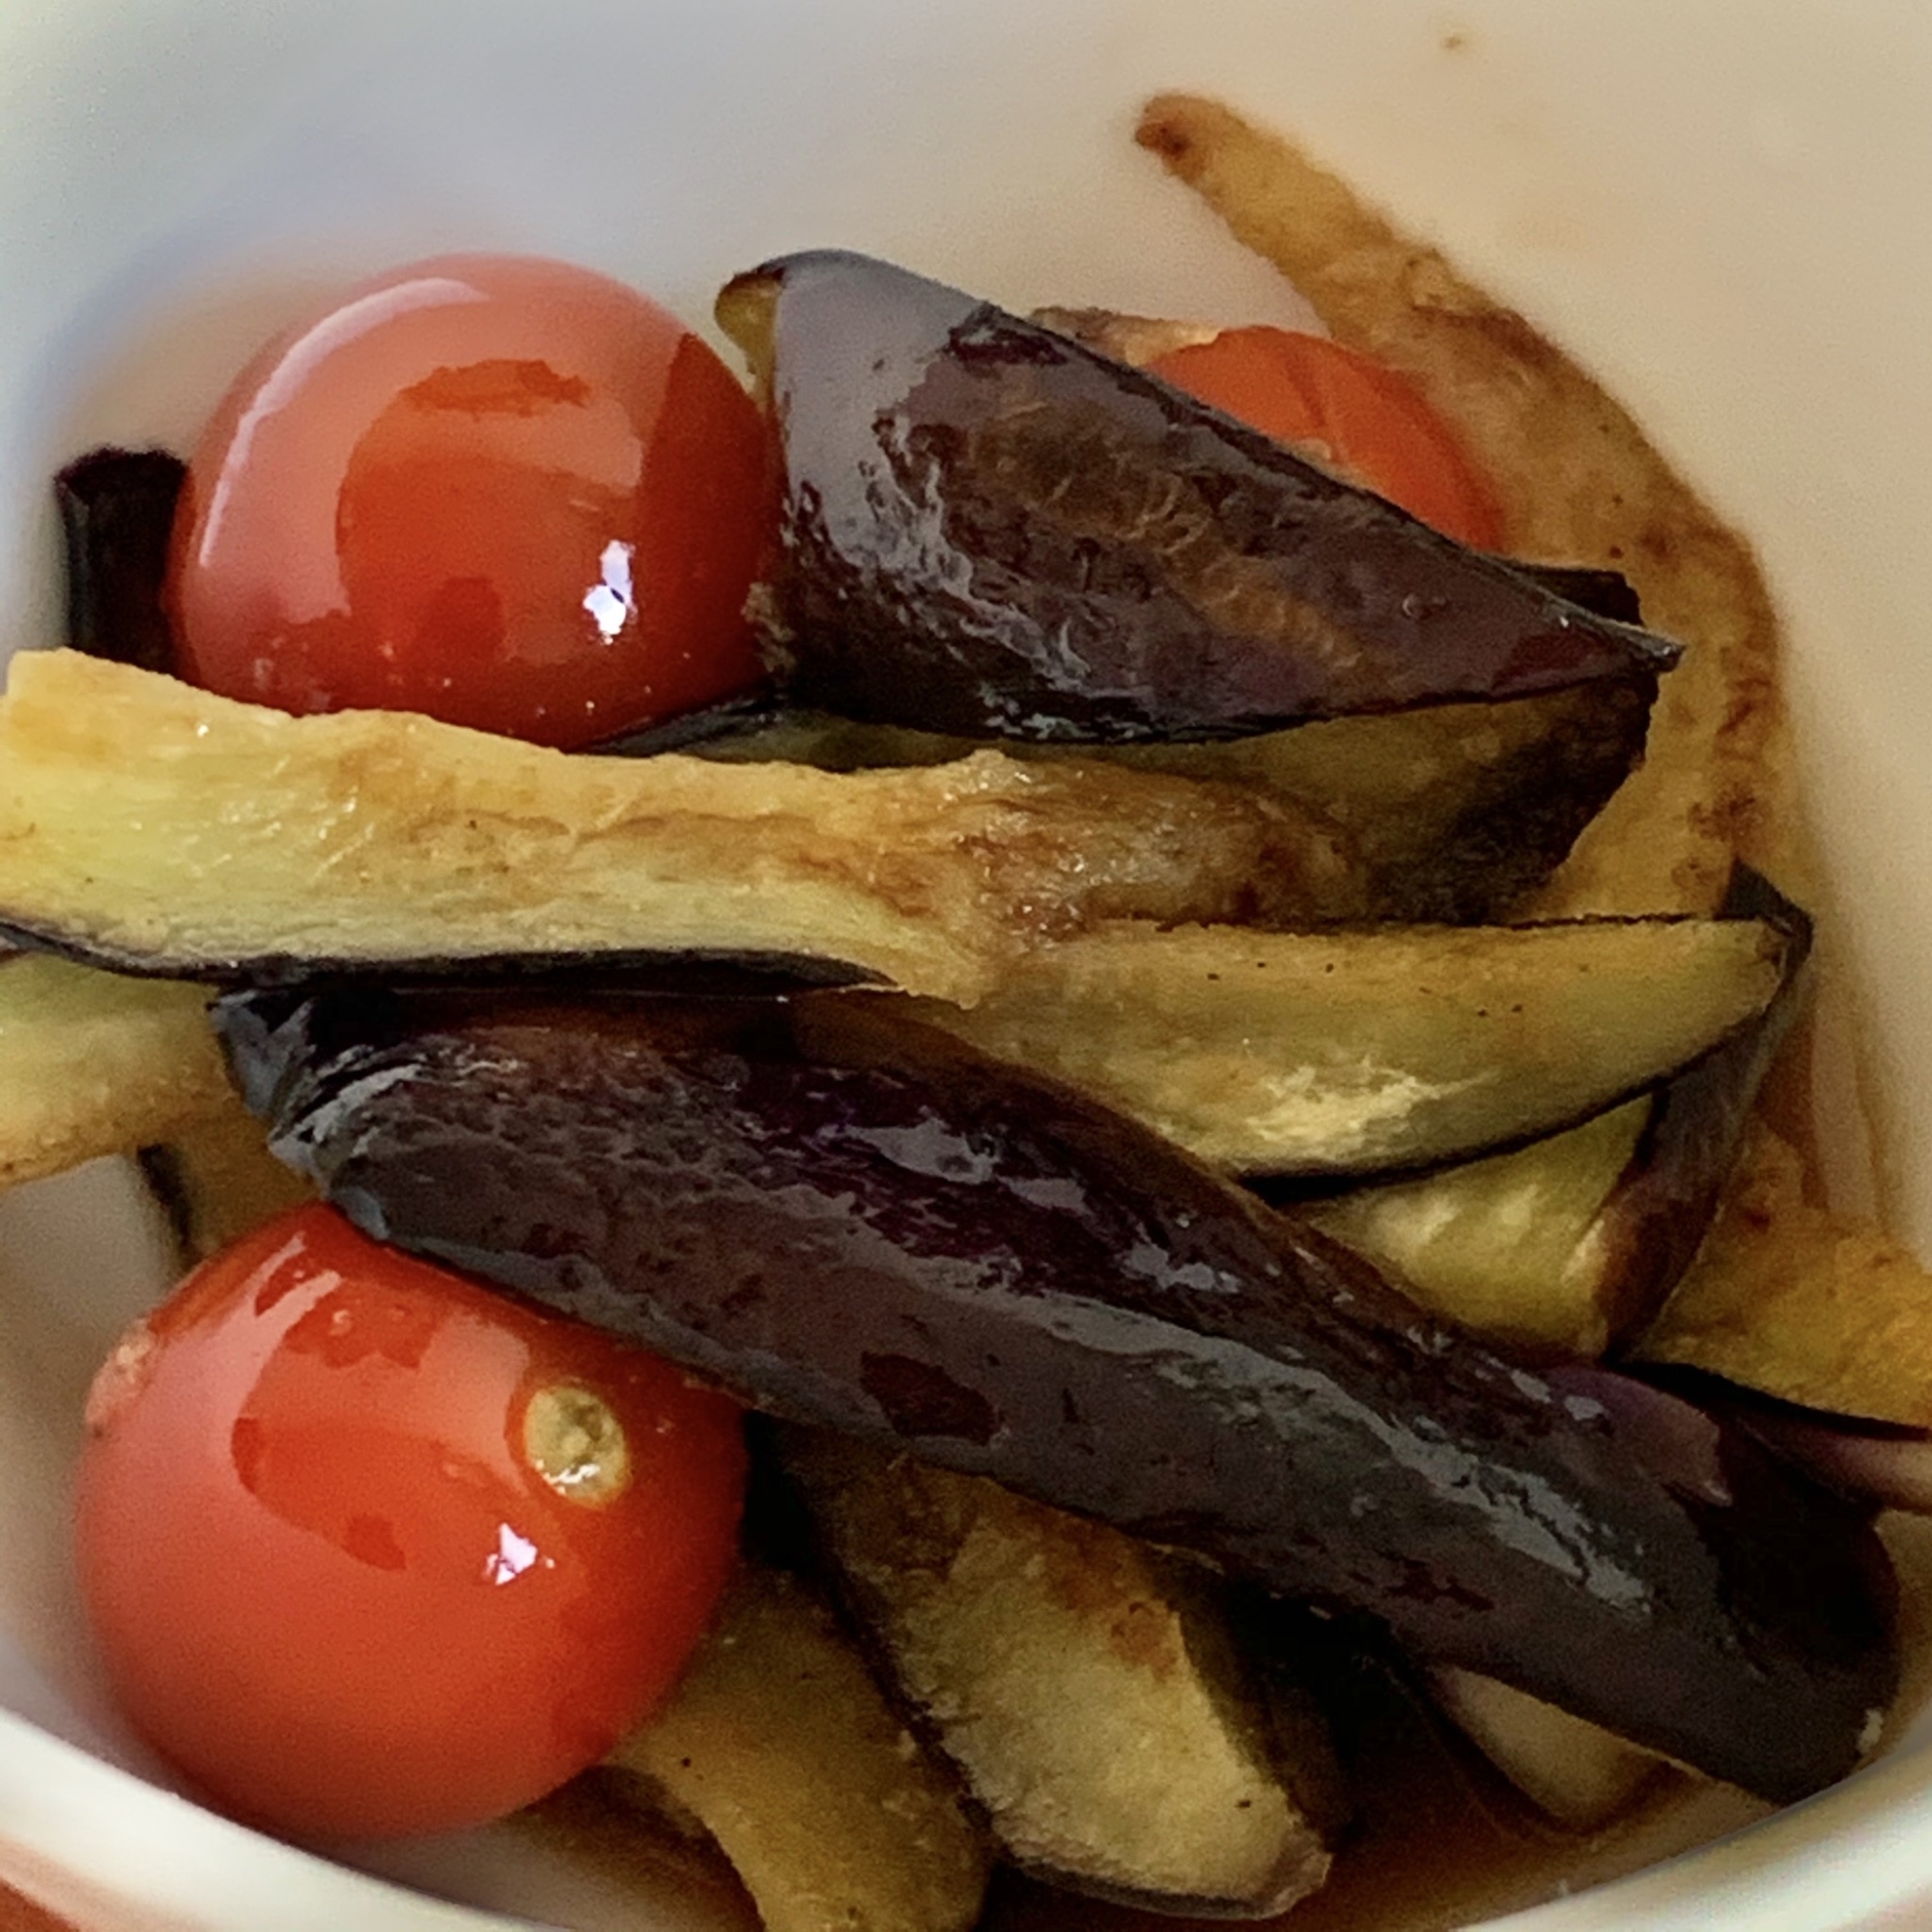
(370, 1549)
(1364, 421)
(505, 492)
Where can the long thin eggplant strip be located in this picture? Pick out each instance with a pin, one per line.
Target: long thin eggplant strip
(1334, 1054)
(160, 829)
(1580, 484)
(1362, 1051)
(856, 1221)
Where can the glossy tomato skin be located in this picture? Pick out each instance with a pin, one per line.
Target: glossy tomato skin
(506, 491)
(1351, 413)
(328, 1576)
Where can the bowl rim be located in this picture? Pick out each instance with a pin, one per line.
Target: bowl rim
(1869, 1821)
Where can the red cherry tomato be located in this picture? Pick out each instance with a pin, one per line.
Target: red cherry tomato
(1365, 422)
(505, 492)
(372, 1550)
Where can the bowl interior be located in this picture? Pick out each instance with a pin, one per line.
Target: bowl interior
(1719, 207)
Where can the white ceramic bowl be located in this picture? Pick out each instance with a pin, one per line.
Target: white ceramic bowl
(1721, 205)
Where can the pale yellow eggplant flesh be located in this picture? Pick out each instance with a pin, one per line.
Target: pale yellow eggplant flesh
(154, 828)
(1569, 1246)
(94, 1065)
(1345, 1054)
(1455, 813)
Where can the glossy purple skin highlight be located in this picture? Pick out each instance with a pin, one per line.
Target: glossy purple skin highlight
(990, 529)
(855, 1221)
(117, 512)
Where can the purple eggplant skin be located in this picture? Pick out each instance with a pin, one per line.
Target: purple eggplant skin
(1615, 737)
(850, 1220)
(678, 972)
(1608, 594)
(1886, 1465)
(990, 529)
(1663, 1206)
(117, 512)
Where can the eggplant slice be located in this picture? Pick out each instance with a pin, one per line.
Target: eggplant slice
(1381, 1049)
(1455, 813)
(1577, 1775)
(117, 512)
(94, 1065)
(1511, 1246)
(1458, 812)
(1091, 1692)
(1571, 1243)
(154, 828)
(1801, 1304)
(1029, 1286)
(988, 528)
(781, 1747)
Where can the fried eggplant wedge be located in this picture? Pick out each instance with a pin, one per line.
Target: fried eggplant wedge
(1379, 1049)
(1088, 1690)
(779, 1745)
(1577, 1775)
(158, 829)
(1516, 1247)
(1799, 1303)
(1036, 1289)
(94, 1065)
(1569, 1246)
(989, 528)
(1456, 814)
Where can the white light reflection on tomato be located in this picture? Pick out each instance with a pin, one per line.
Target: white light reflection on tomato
(512, 1556)
(612, 603)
